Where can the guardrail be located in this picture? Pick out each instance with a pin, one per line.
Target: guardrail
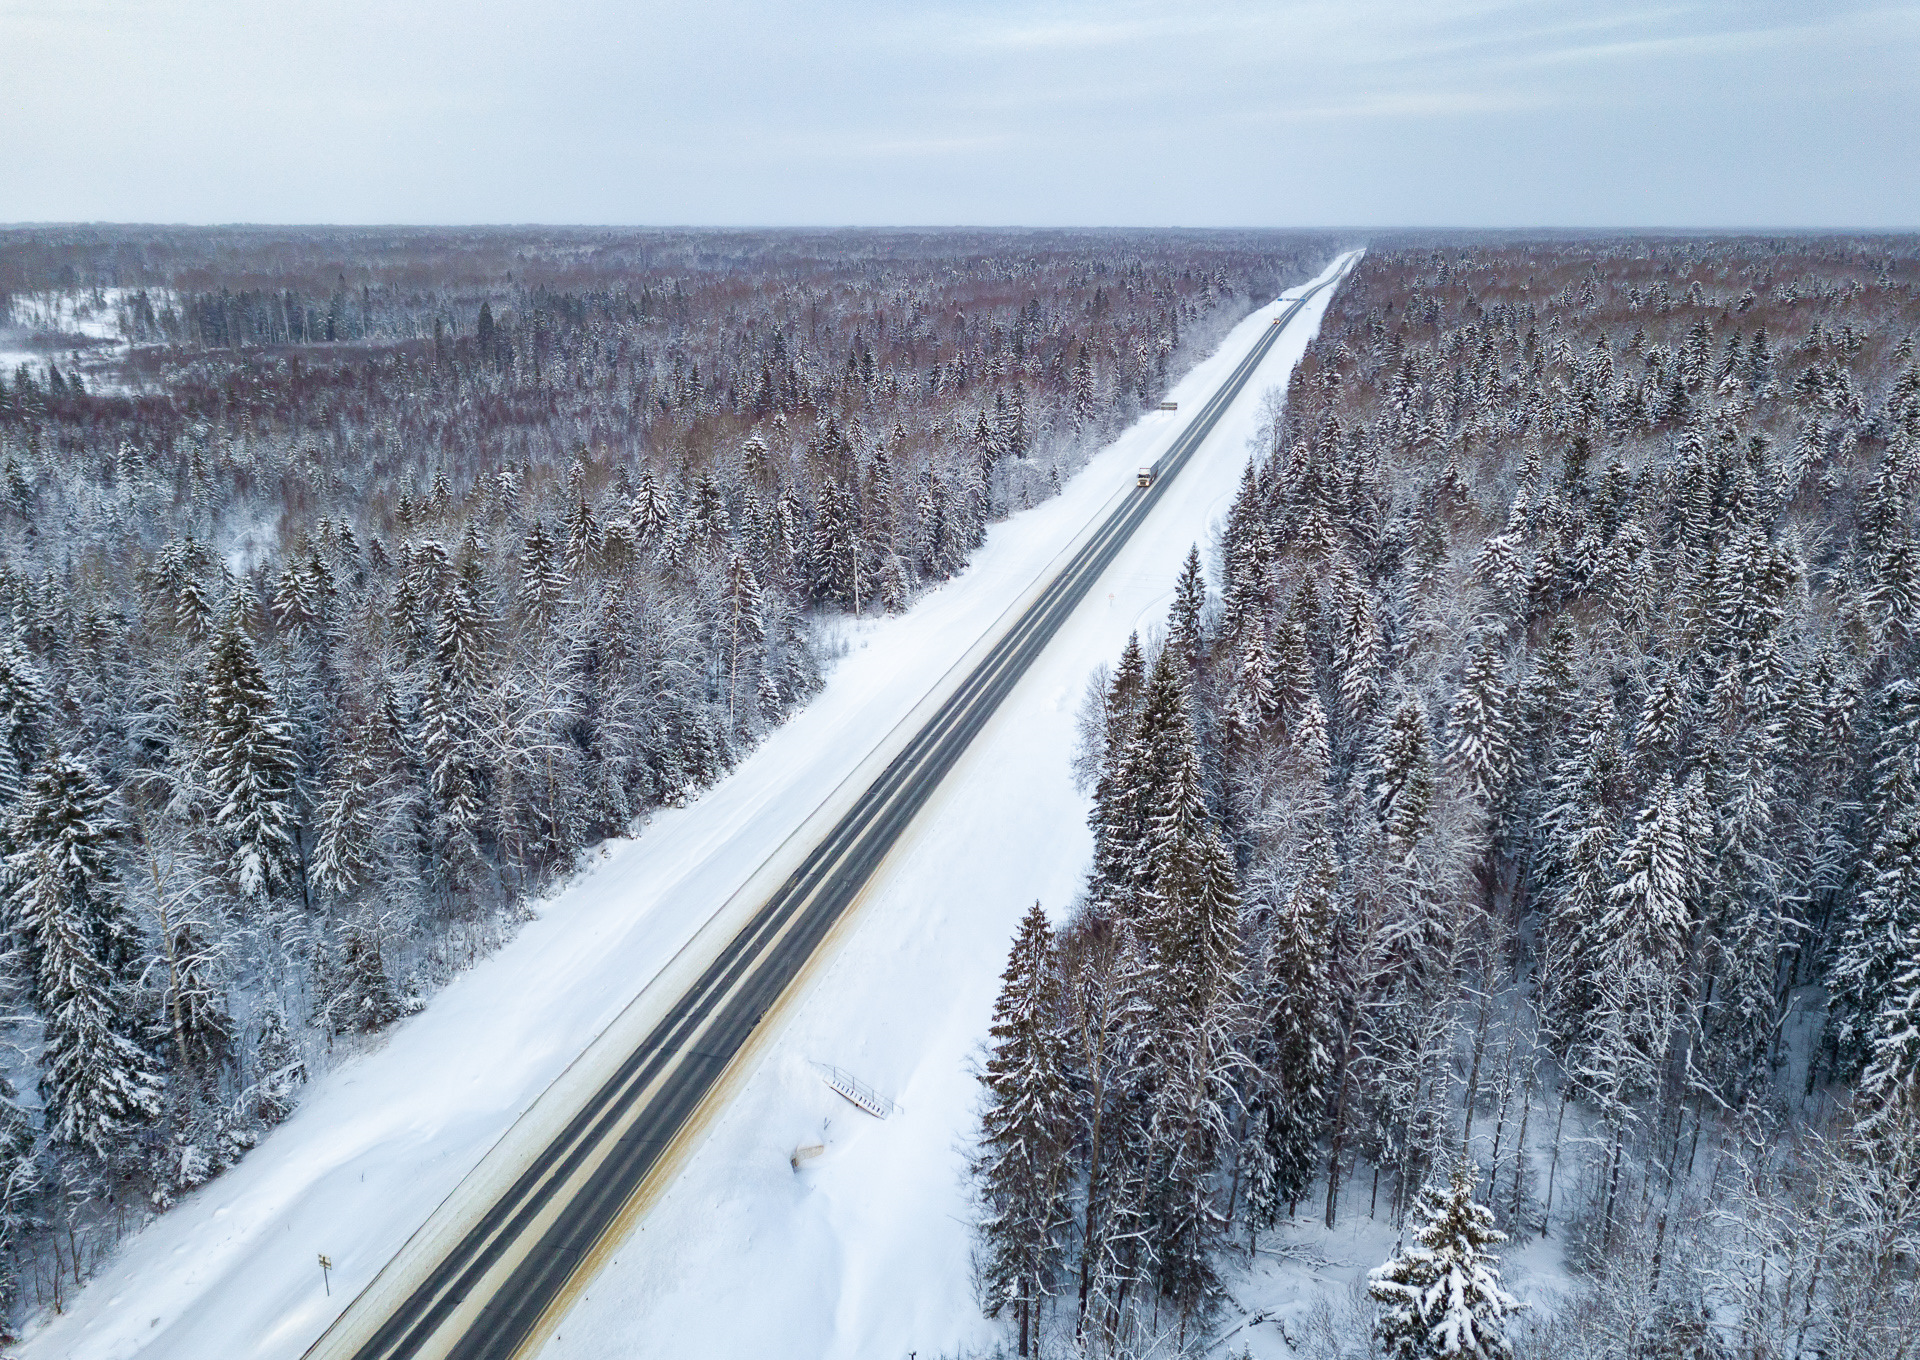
(856, 1091)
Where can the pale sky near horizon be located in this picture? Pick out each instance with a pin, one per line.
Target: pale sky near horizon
(1721, 113)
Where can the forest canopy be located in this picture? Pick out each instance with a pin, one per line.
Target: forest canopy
(1511, 830)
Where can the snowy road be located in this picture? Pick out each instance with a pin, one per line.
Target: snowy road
(383, 1140)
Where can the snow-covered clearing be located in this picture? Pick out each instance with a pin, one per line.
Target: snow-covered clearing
(94, 313)
(83, 329)
(864, 1250)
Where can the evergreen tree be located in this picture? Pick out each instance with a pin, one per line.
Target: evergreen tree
(62, 826)
(1442, 1296)
(1191, 995)
(1403, 781)
(742, 594)
(449, 717)
(1479, 744)
(1188, 1127)
(1358, 660)
(23, 715)
(1650, 908)
(355, 994)
(1892, 1076)
(1134, 777)
(583, 539)
(1022, 1164)
(837, 549)
(1250, 701)
(1189, 601)
(248, 759)
(1577, 858)
(65, 902)
(21, 1177)
(1293, 1056)
(1192, 911)
(649, 510)
(279, 1068)
(543, 578)
(1293, 678)
(1871, 948)
(1084, 404)
(347, 822)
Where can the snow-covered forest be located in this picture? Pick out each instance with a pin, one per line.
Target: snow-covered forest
(1515, 828)
(356, 581)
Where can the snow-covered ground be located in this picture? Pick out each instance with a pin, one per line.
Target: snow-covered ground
(865, 1250)
(82, 329)
(98, 314)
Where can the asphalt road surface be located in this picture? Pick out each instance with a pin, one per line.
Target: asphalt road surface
(551, 1219)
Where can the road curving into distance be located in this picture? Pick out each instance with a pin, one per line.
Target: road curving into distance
(510, 1271)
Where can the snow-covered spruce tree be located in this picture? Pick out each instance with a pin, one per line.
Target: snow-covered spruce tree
(1292, 1059)
(1891, 1081)
(1442, 1296)
(248, 762)
(1022, 1169)
(1189, 1127)
(1112, 818)
(1191, 921)
(745, 626)
(1403, 783)
(1357, 661)
(1294, 686)
(1653, 902)
(1119, 1246)
(1887, 908)
(1189, 602)
(543, 580)
(1250, 701)
(1578, 851)
(346, 824)
(1133, 786)
(1748, 927)
(23, 715)
(65, 907)
(450, 745)
(278, 1068)
(1093, 997)
(21, 1176)
(64, 813)
(355, 995)
(1480, 747)
(834, 568)
(1190, 928)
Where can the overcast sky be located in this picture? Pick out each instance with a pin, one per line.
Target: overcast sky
(1335, 112)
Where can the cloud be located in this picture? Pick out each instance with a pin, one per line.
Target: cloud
(1480, 111)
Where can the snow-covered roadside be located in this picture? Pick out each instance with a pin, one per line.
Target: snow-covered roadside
(233, 1270)
(864, 1251)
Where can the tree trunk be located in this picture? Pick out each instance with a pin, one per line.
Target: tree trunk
(1520, 1146)
(1613, 1189)
(1337, 1139)
(1553, 1166)
(1088, 1244)
(1473, 1078)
